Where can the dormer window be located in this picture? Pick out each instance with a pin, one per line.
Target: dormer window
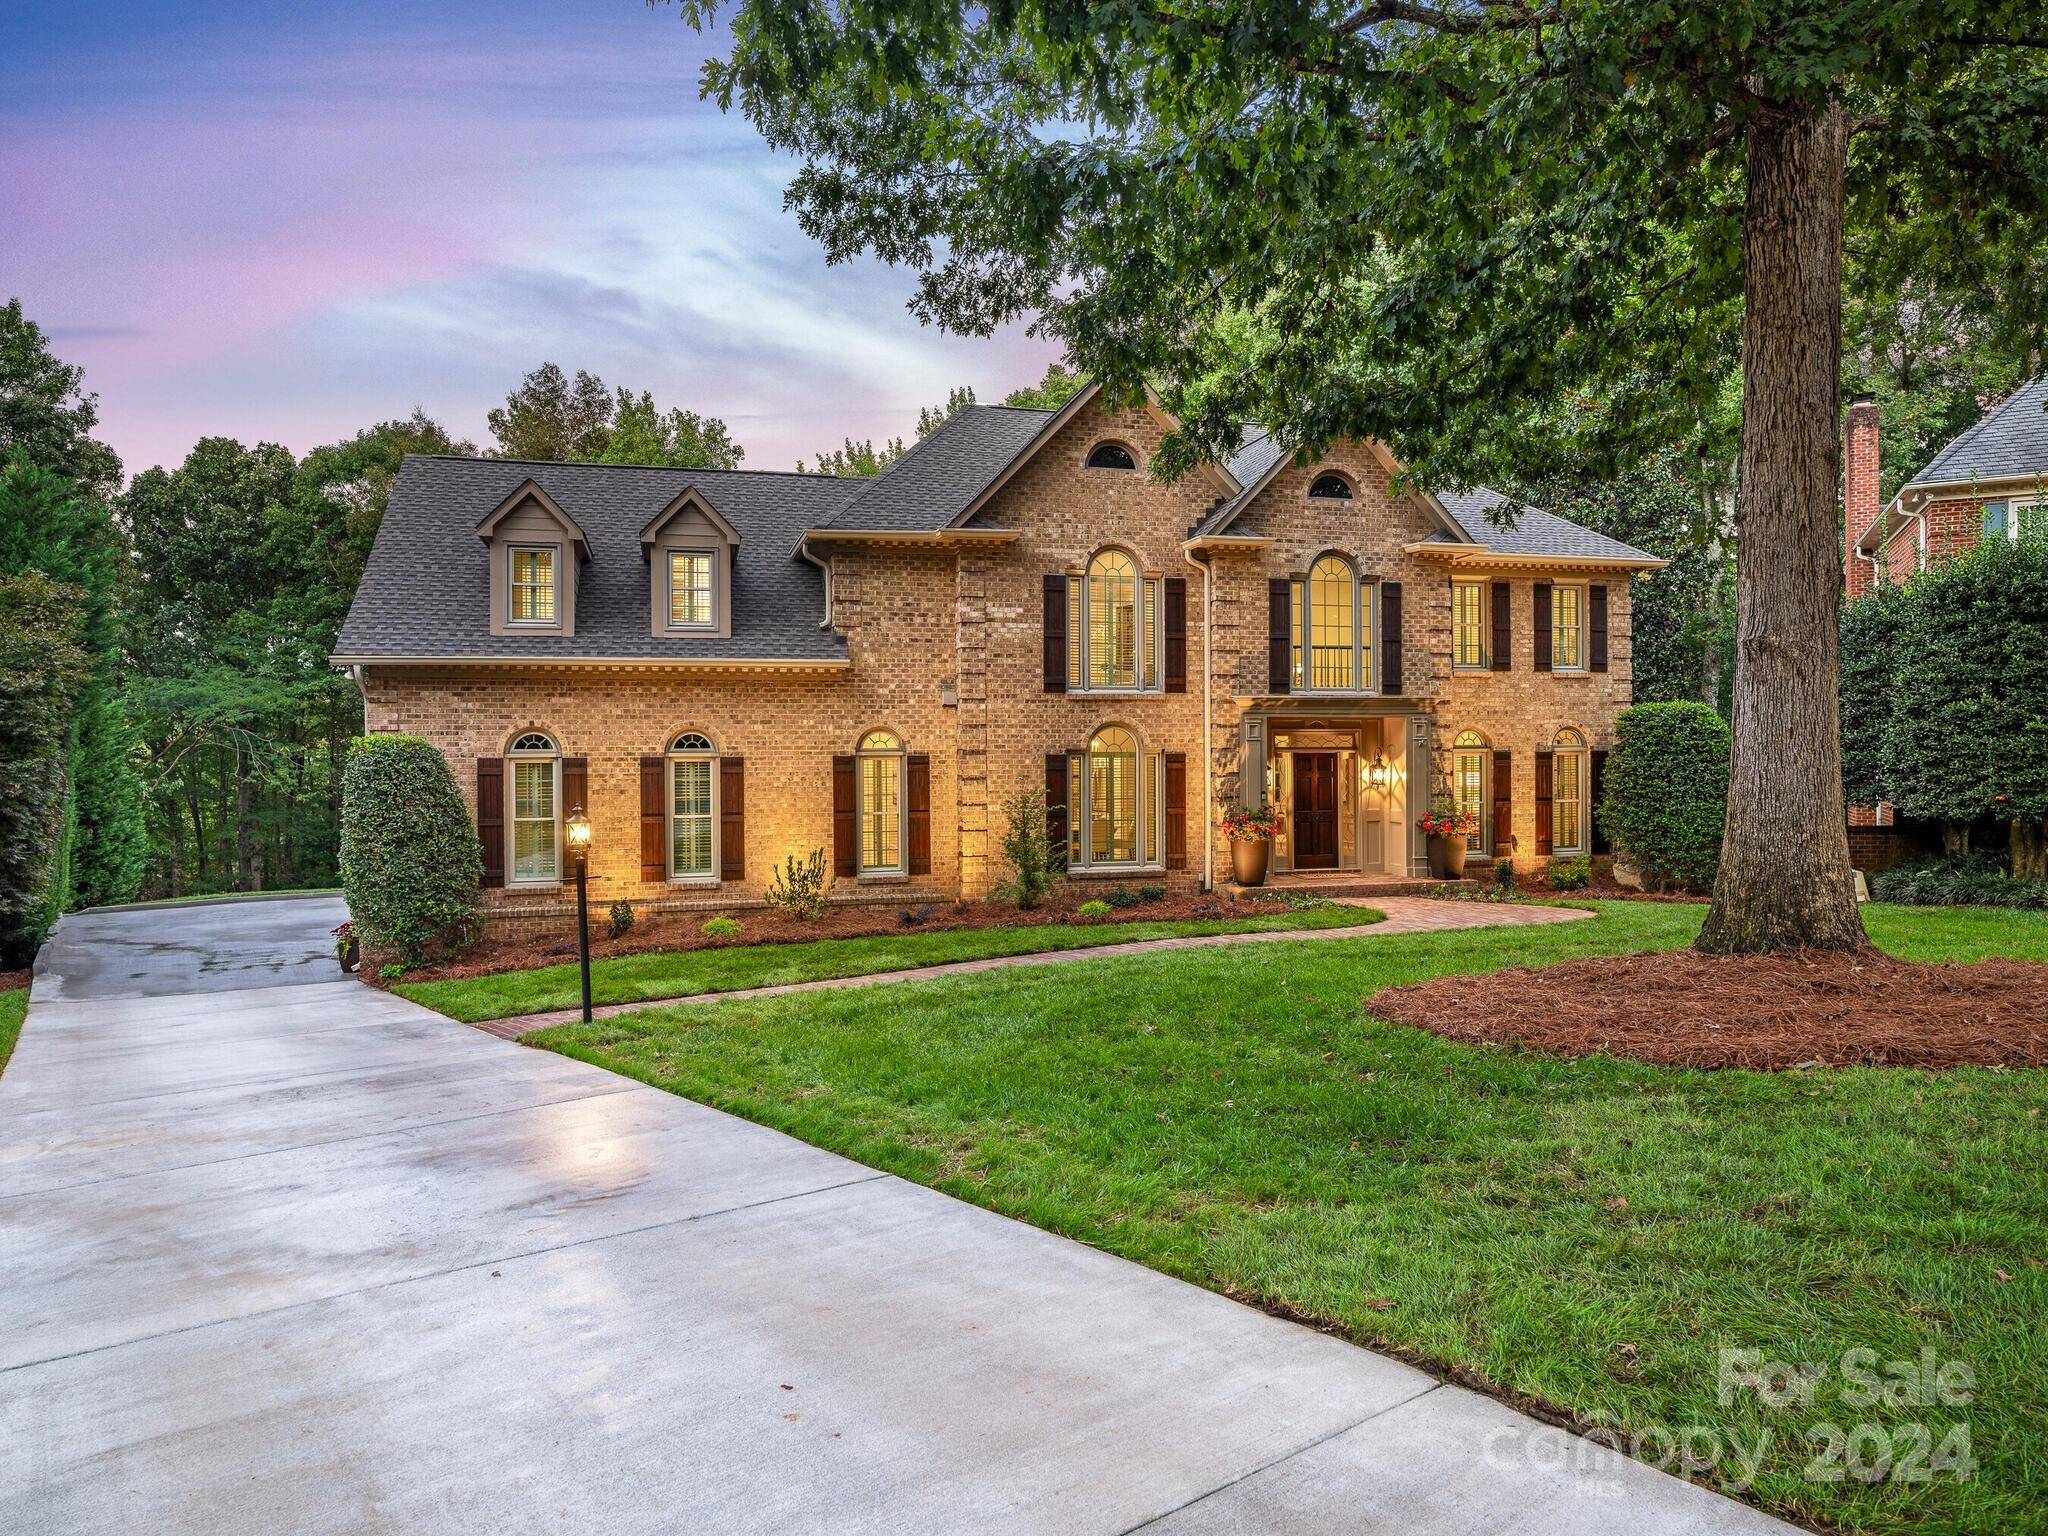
(692, 588)
(533, 583)
(1330, 488)
(690, 548)
(1111, 456)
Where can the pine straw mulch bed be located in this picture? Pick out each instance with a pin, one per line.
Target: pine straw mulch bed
(12, 980)
(683, 931)
(1807, 1008)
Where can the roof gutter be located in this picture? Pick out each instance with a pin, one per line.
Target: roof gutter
(653, 663)
(910, 536)
(1487, 555)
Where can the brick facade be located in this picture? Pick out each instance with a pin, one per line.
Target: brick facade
(946, 641)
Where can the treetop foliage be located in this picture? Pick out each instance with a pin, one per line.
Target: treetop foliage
(549, 416)
(46, 415)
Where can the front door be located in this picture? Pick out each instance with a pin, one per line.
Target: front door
(1315, 810)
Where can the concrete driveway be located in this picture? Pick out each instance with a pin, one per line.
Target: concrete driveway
(279, 1253)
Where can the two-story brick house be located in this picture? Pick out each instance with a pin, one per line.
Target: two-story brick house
(727, 668)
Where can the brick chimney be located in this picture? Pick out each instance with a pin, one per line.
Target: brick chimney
(1860, 506)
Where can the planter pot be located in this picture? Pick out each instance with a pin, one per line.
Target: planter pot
(1454, 857)
(1439, 858)
(351, 958)
(1248, 861)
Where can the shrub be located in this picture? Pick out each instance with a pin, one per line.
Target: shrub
(1975, 880)
(391, 970)
(411, 869)
(619, 921)
(1094, 909)
(721, 927)
(798, 888)
(42, 669)
(1504, 876)
(1122, 897)
(1151, 893)
(1666, 792)
(1035, 862)
(1571, 874)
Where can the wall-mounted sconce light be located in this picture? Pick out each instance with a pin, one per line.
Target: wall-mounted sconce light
(1376, 773)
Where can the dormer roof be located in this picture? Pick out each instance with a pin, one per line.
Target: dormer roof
(531, 490)
(689, 499)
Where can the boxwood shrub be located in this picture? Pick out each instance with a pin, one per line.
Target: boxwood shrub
(411, 869)
(1666, 793)
(1972, 881)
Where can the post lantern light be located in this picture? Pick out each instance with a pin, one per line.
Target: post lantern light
(1376, 775)
(577, 830)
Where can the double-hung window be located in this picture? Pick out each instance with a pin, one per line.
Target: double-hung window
(536, 768)
(1114, 638)
(1332, 629)
(1568, 793)
(1568, 629)
(1468, 624)
(532, 585)
(2015, 520)
(693, 808)
(691, 589)
(1116, 802)
(1471, 766)
(879, 809)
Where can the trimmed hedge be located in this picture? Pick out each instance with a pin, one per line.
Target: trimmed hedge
(411, 868)
(1666, 793)
(42, 669)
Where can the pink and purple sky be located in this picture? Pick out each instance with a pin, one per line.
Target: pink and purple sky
(284, 223)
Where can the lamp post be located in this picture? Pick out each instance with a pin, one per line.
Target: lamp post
(578, 829)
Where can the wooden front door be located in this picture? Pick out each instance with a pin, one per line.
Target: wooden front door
(1315, 810)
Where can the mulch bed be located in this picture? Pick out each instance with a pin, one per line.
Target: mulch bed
(1807, 1008)
(683, 930)
(11, 980)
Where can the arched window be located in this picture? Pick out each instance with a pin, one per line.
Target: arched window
(692, 807)
(1115, 795)
(1331, 488)
(1569, 805)
(1111, 456)
(1114, 640)
(1332, 625)
(879, 767)
(536, 820)
(1471, 776)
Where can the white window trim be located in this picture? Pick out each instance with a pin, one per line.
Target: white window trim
(1580, 832)
(512, 554)
(1485, 661)
(513, 760)
(1151, 640)
(677, 876)
(861, 757)
(1148, 818)
(1365, 660)
(2014, 506)
(668, 554)
(1583, 664)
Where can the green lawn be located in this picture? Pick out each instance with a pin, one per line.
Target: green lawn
(1588, 1232)
(684, 973)
(13, 1008)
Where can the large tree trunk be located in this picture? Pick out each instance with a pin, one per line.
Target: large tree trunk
(2029, 851)
(1785, 880)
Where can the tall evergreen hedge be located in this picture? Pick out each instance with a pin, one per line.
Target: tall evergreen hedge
(42, 669)
(1870, 632)
(1666, 792)
(411, 869)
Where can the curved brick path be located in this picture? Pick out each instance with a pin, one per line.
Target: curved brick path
(1404, 914)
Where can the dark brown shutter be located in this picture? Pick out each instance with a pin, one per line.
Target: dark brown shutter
(490, 816)
(653, 818)
(1599, 780)
(1390, 637)
(1503, 657)
(1176, 810)
(1543, 766)
(732, 818)
(1176, 634)
(845, 834)
(1503, 801)
(1279, 635)
(1056, 805)
(1542, 626)
(575, 785)
(1055, 634)
(920, 813)
(1596, 612)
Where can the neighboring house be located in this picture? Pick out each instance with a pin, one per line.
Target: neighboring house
(731, 668)
(1990, 483)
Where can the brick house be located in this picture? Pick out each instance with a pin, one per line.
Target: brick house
(727, 668)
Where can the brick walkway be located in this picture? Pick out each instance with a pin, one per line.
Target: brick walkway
(1404, 914)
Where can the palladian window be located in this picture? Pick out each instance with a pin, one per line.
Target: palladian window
(1113, 633)
(1116, 797)
(1568, 794)
(533, 584)
(1332, 628)
(693, 809)
(536, 767)
(1471, 768)
(879, 765)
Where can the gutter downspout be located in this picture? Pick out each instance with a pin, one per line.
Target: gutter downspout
(1208, 744)
(803, 547)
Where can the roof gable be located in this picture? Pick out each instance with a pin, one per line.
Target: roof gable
(690, 500)
(531, 491)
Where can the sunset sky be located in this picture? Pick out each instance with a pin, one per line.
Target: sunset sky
(285, 223)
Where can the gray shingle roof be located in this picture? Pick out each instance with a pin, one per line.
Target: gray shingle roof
(1533, 532)
(1257, 454)
(2011, 439)
(426, 590)
(939, 477)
